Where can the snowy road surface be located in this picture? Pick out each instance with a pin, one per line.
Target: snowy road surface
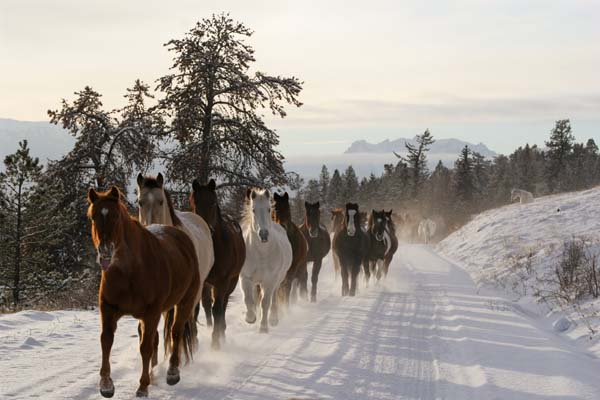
(423, 334)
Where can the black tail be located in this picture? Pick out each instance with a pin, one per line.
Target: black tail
(190, 335)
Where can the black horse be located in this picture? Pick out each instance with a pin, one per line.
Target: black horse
(390, 229)
(379, 244)
(319, 244)
(351, 245)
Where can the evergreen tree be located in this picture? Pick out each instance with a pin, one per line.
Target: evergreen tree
(17, 182)
(351, 185)
(335, 193)
(481, 178)
(559, 147)
(324, 183)
(215, 107)
(464, 181)
(312, 192)
(501, 181)
(417, 160)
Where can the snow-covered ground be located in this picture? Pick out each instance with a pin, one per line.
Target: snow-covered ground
(515, 247)
(426, 333)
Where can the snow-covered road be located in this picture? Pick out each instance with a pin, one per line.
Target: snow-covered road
(424, 334)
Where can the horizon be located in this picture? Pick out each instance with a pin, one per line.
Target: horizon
(371, 71)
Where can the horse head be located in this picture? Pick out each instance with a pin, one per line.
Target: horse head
(153, 203)
(106, 212)
(258, 204)
(337, 218)
(204, 202)
(352, 220)
(281, 211)
(377, 224)
(389, 220)
(312, 218)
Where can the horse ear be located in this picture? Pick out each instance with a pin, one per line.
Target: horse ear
(286, 196)
(317, 204)
(212, 185)
(195, 185)
(348, 205)
(160, 180)
(276, 196)
(140, 180)
(92, 196)
(114, 192)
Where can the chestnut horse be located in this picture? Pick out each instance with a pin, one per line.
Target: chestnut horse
(319, 243)
(351, 245)
(390, 231)
(145, 272)
(297, 271)
(230, 254)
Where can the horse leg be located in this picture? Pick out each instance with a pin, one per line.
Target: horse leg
(274, 313)
(265, 304)
(149, 325)
(354, 272)
(367, 268)
(379, 269)
(179, 336)
(248, 289)
(336, 265)
(109, 318)
(218, 312)
(303, 280)
(207, 303)
(314, 279)
(155, 353)
(344, 273)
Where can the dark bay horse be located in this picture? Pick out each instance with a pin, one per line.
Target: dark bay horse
(282, 215)
(337, 220)
(350, 243)
(319, 243)
(230, 254)
(378, 244)
(145, 272)
(390, 229)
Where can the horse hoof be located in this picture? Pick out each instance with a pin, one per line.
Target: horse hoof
(274, 322)
(313, 298)
(173, 376)
(250, 318)
(215, 345)
(264, 329)
(141, 393)
(107, 388)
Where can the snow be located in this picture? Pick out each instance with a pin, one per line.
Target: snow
(425, 333)
(509, 250)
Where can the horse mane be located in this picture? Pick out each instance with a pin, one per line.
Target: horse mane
(152, 183)
(246, 219)
(282, 212)
(370, 221)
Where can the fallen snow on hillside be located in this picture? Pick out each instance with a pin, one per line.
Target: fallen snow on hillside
(425, 333)
(516, 247)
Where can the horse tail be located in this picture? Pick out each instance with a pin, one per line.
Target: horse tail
(189, 339)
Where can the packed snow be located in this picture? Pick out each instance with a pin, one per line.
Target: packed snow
(514, 248)
(424, 333)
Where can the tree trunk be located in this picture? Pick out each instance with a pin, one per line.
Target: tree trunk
(17, 277)
(204, 156)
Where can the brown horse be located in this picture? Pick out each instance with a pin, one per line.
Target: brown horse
(145, 272)
(230, 254)
(351, 245)
(379, 243)
(319, 243)
(282, 215)
(390, 229)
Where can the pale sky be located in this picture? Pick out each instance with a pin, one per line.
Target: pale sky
(498, 72)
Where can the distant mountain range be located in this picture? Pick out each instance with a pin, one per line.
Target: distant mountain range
(440, 146)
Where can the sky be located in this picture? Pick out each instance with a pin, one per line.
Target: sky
(497, 72)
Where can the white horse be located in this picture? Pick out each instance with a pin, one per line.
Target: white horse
(523, 196)
(268, 258)
(155, 207)
(426, 230)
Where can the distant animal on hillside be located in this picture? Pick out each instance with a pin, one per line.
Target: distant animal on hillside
(319, 243)
(145, 272)
(350, 243)
(426, 230)
(523, 196)
(268, 258)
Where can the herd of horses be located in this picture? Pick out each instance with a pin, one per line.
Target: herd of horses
(166, 263)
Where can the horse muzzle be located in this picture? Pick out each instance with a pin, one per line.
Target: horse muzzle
(379, 237)
(263, 234)
(351, 232)
(313, 233)
(105, 253)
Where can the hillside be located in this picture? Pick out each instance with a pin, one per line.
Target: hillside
(517, 249)
(440, 148)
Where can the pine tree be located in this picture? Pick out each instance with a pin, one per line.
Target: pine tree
(481, 178)
(351, 185)
(417, 160)
(312, 192)
(215, 106)
(18, 182)
(501, 181)
(335, 193)
(324, 183)
(464, 181)
(559, 147)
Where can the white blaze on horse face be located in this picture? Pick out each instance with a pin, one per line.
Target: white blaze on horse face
(351, 230)
(104, 212)
(261, 212)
